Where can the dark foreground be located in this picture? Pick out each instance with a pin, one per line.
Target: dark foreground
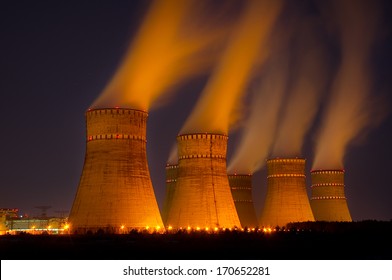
(367, 240)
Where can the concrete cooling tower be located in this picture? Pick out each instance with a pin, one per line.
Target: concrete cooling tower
(328, 200)
(115, 192)
(202, 198)
(286, 200)
(241, 190)
(171, 181)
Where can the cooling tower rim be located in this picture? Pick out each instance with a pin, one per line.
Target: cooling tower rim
(206, 135)
(115, 108)
(327, 171)
(271, 160)
(235, 175)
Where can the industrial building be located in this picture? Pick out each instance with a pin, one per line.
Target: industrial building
(286, 199)
(171, 181)
(115, 193)
(202, 198)
(328, 199)
(241, 190)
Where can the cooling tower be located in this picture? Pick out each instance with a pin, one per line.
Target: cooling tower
(328, 200)
(115, 192)
(286, 199)
(171, 181)
(241, 190)
(202, 197)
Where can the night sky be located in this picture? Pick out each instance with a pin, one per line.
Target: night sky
(57, 56)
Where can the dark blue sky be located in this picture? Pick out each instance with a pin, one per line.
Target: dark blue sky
(57, 56)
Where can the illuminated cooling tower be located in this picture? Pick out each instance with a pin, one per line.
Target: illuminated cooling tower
(115, 192)
(241, 190)
(328, 200)
(286, 200)
(202, 197)
(171, 181)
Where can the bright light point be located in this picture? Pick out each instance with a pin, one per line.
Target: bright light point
(216, 229)
(197, 228)
(189, 228)
(207, 228)
(265, 230)
(170, 227)
(66, 226)
(147, 227)
(158, 227)
(122, 227)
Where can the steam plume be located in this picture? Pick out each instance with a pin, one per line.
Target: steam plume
(168, 48)
(350, 107)
(213, 111)
(259, 128)
(309, 72)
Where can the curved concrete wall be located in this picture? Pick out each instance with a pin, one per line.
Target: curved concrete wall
(115, 192)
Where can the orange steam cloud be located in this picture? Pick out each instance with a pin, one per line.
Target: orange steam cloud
(214, 110)
(350, 108)
(167, 49)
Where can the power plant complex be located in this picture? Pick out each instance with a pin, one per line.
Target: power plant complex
(115, 192)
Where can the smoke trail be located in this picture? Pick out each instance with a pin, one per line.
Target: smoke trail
(309, 72)
(259, 128)
(351, 107)
(168, 48)
(213, 111)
